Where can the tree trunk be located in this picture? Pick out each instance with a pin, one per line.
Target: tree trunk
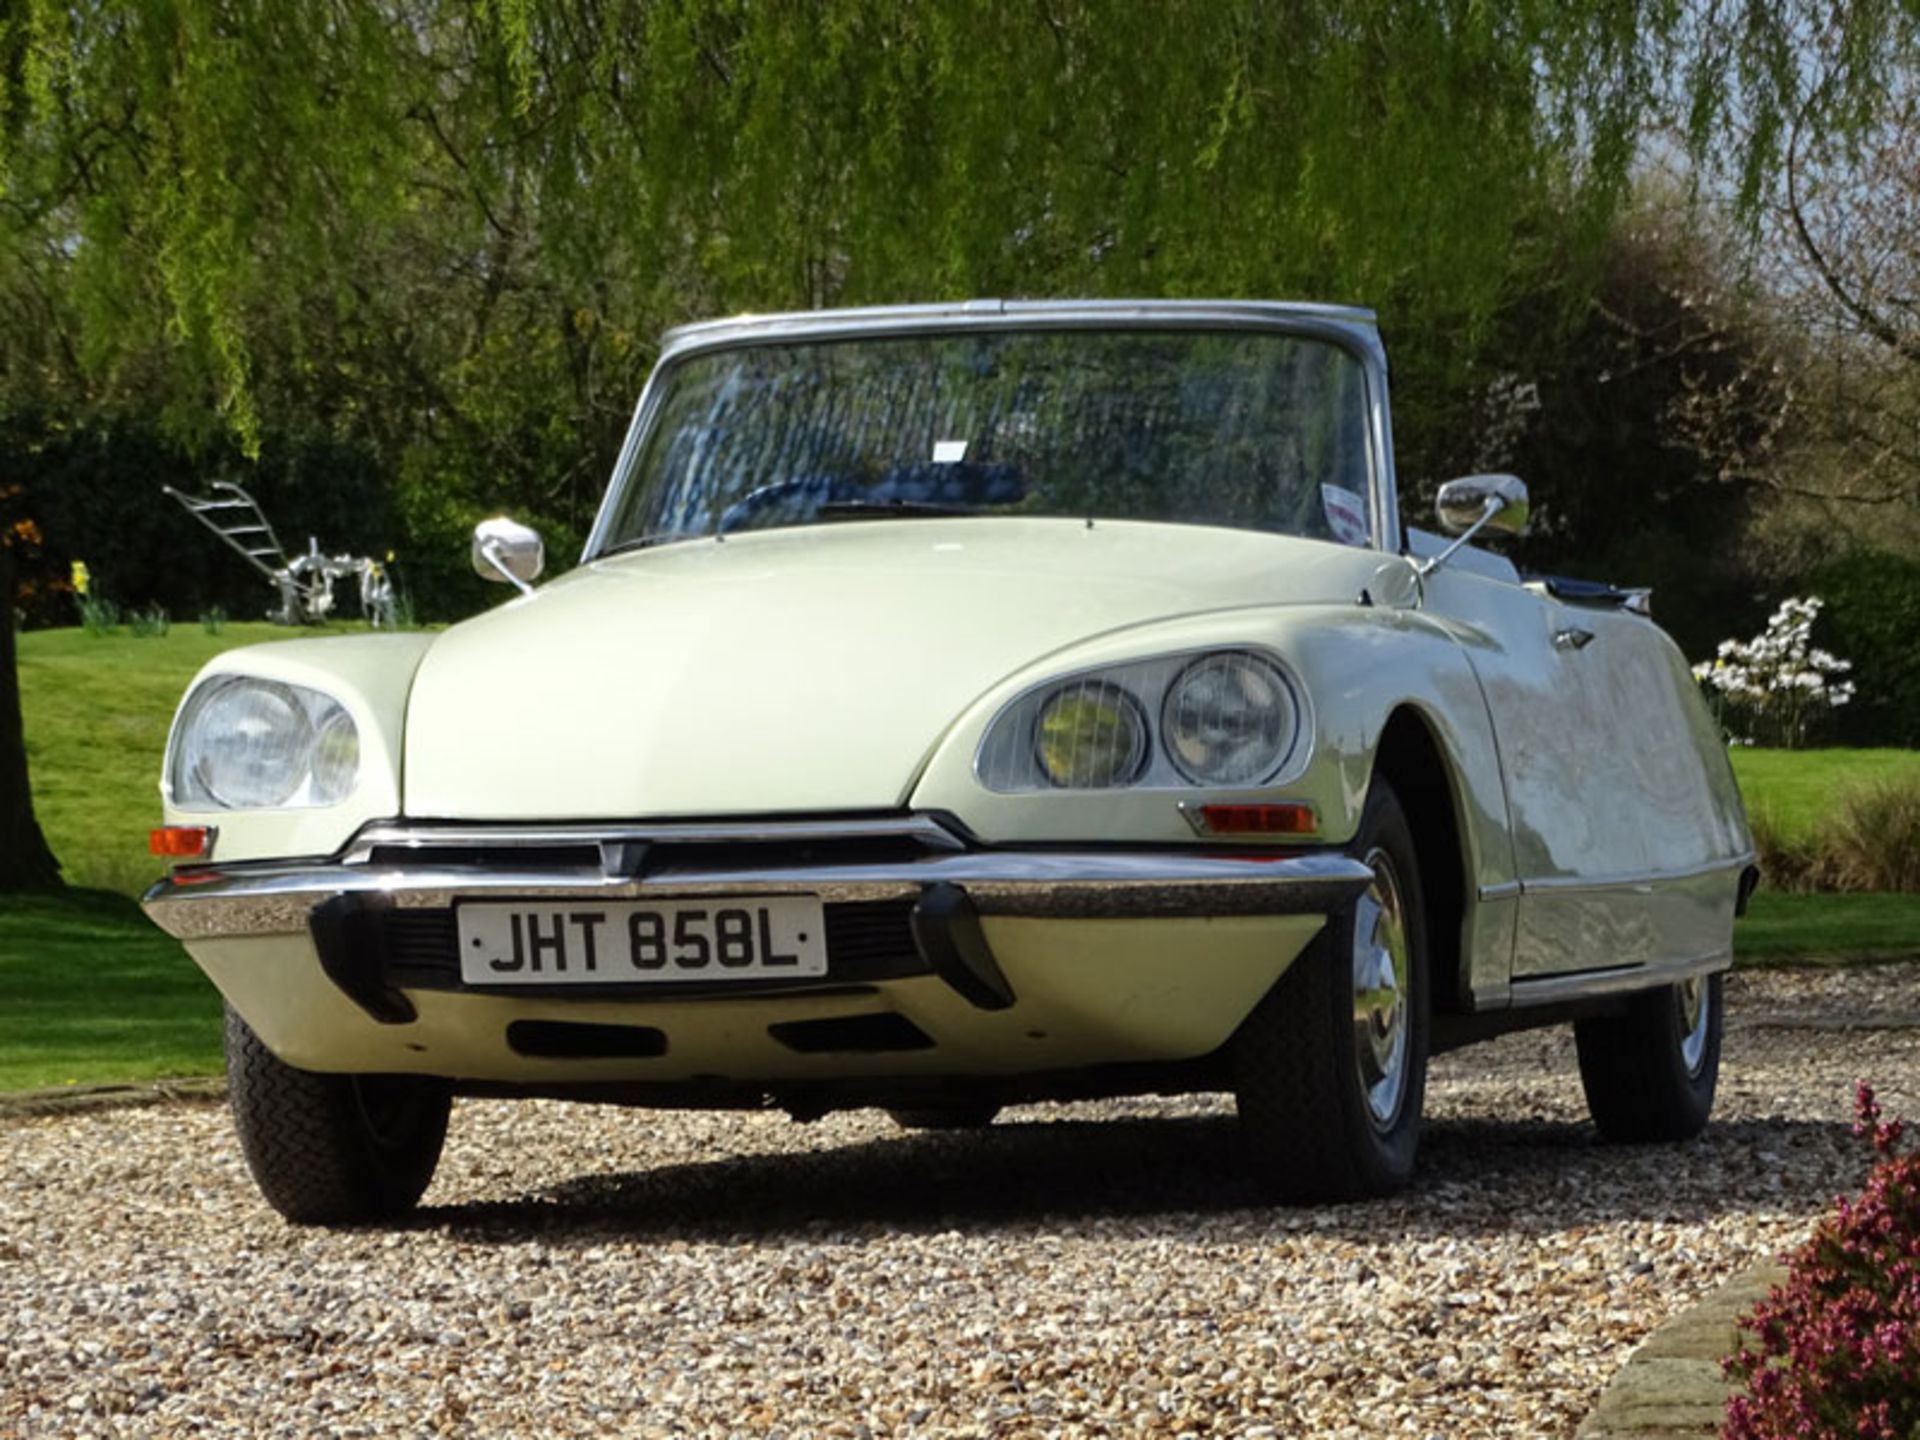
(25, 861)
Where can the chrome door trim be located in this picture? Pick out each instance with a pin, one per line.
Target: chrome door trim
(1618, 980)
(1632, 880)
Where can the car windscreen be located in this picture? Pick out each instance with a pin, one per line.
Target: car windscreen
(1253, 429)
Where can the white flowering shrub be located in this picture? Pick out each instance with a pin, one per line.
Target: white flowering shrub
(1777, 684)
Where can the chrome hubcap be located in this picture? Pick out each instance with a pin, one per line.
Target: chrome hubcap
(1696, 1007)
(1382, 969)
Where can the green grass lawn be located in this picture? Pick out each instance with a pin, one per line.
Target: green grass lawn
(91, 992)
(1826, 928)
(1796, 789)
(97, 711)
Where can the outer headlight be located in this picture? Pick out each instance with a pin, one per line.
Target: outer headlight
(247, 744)
(1229, 719)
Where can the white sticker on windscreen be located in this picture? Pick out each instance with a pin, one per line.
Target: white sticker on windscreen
(949, 452)
(1346, 515)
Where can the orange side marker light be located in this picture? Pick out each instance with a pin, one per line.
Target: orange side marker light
(181, 842)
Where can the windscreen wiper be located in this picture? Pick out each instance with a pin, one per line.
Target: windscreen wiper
(641, 542)
(858, 508)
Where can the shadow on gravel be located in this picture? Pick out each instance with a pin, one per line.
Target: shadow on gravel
(1147, 1177)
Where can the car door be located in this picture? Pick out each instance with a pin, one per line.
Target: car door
(1562, 685)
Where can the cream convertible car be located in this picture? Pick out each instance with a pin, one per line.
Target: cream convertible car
(958, 706)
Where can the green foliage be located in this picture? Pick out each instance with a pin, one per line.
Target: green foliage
(1826, 929)
(1873, 618)
(1626, 488)
(442, 237)
(1797, 791)
(1869, 842)
(148, 621)
(96, 491)
(99, 616)
(1834, 820)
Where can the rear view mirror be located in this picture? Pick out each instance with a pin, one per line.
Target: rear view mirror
(1495, 502)
(505, 550)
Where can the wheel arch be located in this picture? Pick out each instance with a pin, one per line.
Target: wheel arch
(1411, 757)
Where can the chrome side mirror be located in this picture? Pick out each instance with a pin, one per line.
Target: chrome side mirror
(1498, 502)
(505, 550)
(1475, 503)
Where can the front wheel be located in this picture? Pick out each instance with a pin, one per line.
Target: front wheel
(333, 1149)
(1330, 1069)
(1650, 1073)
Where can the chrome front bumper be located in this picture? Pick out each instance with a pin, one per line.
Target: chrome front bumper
(380, 914)
(421, 867)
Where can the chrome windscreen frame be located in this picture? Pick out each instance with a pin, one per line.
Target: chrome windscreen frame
(1350, 327)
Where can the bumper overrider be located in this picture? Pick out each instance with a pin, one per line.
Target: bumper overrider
(942, 957)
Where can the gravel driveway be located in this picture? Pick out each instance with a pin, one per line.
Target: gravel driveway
(1077, 1270)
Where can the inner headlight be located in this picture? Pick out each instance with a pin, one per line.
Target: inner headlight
(247, 744)
(1090, 736)
(1229, 719)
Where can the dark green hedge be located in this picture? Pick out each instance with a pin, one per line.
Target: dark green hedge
(1873, 619)
(94, 493)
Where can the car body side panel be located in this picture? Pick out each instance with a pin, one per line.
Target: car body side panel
(1627, 832)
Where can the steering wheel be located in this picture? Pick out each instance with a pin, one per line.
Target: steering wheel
(816, 488)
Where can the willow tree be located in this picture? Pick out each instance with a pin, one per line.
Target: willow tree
(449, 232)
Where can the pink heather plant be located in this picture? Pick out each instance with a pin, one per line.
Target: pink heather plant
(1836, 1349)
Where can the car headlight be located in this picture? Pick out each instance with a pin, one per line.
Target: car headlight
(1090, 736)
(1225, 718)
(1229, 719)
(249, 744)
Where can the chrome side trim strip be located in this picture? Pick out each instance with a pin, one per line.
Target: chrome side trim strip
(1574, 884)
(1505, 890)
(418, 834)
(215, 902)
(1622, 980)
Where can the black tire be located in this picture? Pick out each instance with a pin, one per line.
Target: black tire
(1650, 1074)
(333, 1149)
(956, 1116)
(1307, 1115)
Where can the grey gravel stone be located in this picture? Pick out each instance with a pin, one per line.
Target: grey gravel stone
(1077, 1270)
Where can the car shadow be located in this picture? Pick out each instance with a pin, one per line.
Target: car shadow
(1155, 1175)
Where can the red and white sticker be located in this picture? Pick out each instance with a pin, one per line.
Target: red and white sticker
(1346, 515)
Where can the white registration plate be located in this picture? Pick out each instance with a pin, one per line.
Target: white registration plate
(562, 942)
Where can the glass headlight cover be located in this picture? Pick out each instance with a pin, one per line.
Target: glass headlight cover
(245, 743)
(1229, 719)
(1219, 718)
(1090, 736)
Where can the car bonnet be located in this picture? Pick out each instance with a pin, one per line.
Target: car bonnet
(802, 670)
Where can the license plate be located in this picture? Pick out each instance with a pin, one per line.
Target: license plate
(529, 942)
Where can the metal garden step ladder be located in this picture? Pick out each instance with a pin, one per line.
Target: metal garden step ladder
(236, 517)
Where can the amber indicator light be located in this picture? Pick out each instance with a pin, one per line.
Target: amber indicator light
(181, 842)
(1259, 819)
